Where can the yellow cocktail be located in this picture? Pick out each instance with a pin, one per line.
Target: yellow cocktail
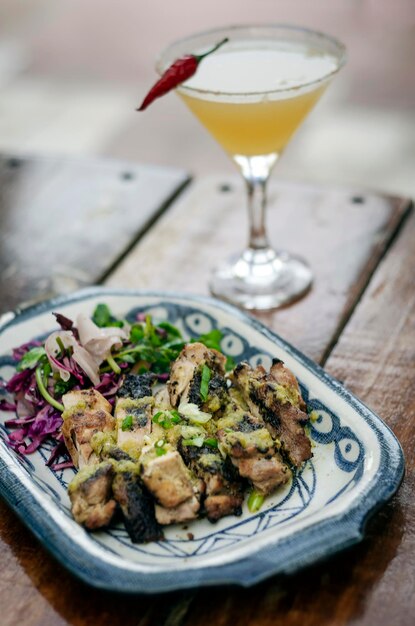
(251, 95)
(236, 93)
(256, 128)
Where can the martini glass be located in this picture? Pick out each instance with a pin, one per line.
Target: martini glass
(251, 95)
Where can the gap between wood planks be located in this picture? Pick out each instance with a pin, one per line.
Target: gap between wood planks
(363, 287)
(148, 225)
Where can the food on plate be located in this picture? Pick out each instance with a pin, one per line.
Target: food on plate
(160, 430)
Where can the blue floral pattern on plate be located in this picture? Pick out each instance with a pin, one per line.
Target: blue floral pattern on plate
(332, 494)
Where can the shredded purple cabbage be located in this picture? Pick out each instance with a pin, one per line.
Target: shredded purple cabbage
(46, 422)
(109, 384)
(64, 322)
(5, 405)
(19, 352)
(20, 381)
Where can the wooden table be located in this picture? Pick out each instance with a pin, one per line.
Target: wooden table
(65, 224)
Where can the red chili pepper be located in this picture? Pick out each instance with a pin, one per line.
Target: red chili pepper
(177, 73)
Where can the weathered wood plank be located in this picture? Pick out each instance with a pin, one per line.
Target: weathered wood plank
(373, 583)
(37, 591)
(65, 222)
(191, 238)
(342, 232)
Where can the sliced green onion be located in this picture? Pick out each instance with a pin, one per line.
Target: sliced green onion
(212, 442)
(44, 392)
(127, 423)
(113, 365)
(159, 447)
(204, 385)
(196, 441)
(61, 346)
(165, 419)
(255, 501)
(192, 412)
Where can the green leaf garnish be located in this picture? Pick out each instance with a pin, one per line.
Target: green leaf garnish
(31, 358)
(63, 386)
(210, 340)
(136, 333)
(172, 331)
(127, 423)
(204, 385)
(230, 363)
(103, 317)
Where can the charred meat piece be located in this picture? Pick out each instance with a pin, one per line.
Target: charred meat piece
(137, 386)
(90, 493)
(223, 489)
(217, 392)
(250, 447)
(183, 383)
(136, 504)
(276, 398)
(86, 413)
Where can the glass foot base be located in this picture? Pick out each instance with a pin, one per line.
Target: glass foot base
(261, 279)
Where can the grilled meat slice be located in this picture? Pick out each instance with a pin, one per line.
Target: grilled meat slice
(185, 511)
(247, 442)
(276, 398)
(86, 399)
(133, 412)
(136, 504)
(162, 400)
(223, 490)
(91, 496)
(183, 385)
(189, 508)
(133, 423)
(86, 413)
(166, 477)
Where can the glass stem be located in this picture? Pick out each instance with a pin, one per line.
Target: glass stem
(257, 202)
(256, 171)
